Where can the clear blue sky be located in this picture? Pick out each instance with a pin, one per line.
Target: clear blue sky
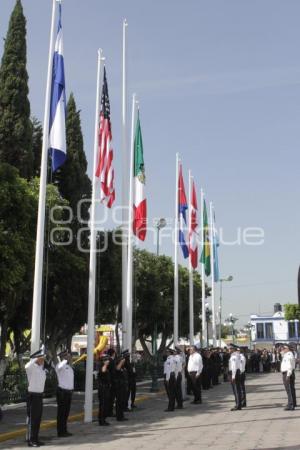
(219, 82)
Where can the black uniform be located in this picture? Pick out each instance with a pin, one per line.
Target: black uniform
(104, 386)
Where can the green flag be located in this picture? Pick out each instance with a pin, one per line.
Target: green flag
(205, 256)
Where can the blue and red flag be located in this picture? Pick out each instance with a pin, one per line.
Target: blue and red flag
(182, 208)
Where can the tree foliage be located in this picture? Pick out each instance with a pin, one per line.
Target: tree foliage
(15, 124)
(291, 311)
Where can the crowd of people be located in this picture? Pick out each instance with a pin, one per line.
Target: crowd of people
(186, 370)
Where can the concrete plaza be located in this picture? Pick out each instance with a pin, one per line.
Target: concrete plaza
(262, 425)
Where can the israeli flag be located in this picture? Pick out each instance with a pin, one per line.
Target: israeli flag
(57, 123)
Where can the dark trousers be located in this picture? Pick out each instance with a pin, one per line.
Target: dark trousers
(131, 391)
(34, 415)
(243, 388)
(171, 391)
(121, 396)
(103, 395)
(289, 384)
(111, 400)
(196, 386)
(64, 399)
(236, 387)
(178, 390)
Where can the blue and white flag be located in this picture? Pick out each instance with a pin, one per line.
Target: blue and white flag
(182, 208)
(216, 244)
(57, 123)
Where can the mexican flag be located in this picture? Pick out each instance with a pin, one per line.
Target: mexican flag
(139, 202)
(205, 257)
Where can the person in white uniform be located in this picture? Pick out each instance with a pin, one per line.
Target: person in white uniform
(36, 377)
(288, 376)
(243, 377)
(170, 382)
(195, 367)
(65, 378)
(235, 376)
(178, 377)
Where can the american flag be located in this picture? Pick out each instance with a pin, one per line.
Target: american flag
(105, 171)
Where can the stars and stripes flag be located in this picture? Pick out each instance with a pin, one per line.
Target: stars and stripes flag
(193, 232)
(57, 121)
(182, 208)
(105, 171)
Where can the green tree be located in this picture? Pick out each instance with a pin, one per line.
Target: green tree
(15, 124)
(291, 311)
(17, 220)
(72, 179)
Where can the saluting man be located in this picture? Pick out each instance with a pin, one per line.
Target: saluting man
(235, 376)
(65, 377)
(36, 376)
(288, 376)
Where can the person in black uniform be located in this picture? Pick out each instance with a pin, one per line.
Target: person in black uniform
(112, 390)
(36, 376)
(120, 387)
(104, 385)
(131, 379)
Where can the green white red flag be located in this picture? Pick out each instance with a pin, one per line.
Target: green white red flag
(139, 198)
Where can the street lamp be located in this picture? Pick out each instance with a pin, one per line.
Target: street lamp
(161, 223)
(207, 316)
(231, 320)
(249, 327)
(229, 278)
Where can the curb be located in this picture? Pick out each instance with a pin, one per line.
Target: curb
(47, 424)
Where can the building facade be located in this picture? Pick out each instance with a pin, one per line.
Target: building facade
(269, 330)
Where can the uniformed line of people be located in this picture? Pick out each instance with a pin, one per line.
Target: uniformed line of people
(203, 370)
(116, 386)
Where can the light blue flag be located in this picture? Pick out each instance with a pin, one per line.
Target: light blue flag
(57, 123)
(216, 244)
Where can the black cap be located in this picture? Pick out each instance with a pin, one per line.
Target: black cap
(104, 357)
(63, 353)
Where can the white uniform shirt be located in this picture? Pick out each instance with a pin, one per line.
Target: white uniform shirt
(288, 363)
(195, 363)
(169, 367)
(178, 364)
(234, 363)
(36, 377)
(65, 375)
(243, 363)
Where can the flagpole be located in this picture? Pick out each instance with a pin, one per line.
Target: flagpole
(40, 233)
(124, 184)
(175, 336)
(212, 256)
(191, 284)
(88, 404)
(203, 273)
(130, 234)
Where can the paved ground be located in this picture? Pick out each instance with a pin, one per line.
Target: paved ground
(262, 425)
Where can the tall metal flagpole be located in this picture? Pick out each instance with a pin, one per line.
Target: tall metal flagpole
(203, 273)
(125, 177)
(88, 404)
(212, 262)
(191, 284)
(175, 335)
(130, 233)
(40, 232)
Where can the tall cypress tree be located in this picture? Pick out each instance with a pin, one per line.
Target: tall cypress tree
(73, 181)
(15, 124)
